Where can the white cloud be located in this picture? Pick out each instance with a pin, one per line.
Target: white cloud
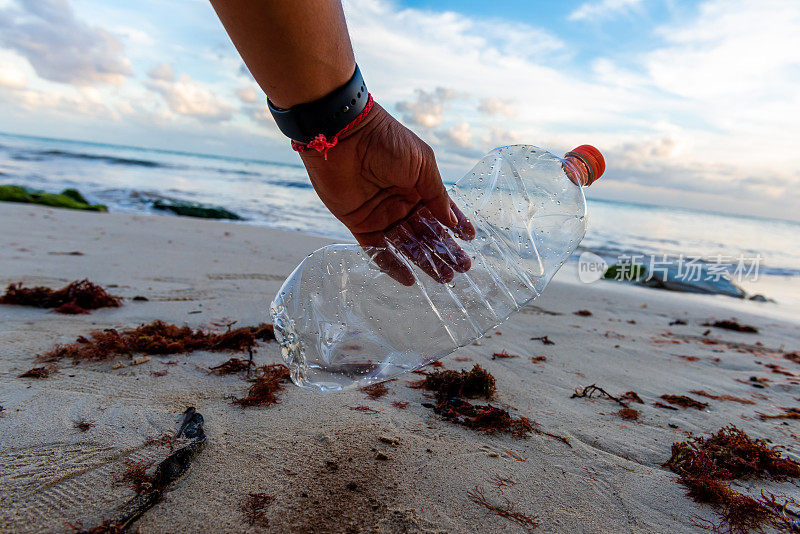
(12, 76)
(60, 47)
(249, 95)
(162, 71)
(427, 110)
(459, 135)
(715, 103)
(186, 96)
(497, 106)
(602, 9)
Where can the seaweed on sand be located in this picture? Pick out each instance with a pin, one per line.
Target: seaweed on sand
(685, 402)
(267, 381)
(506, 511)
(503, 354)
(631, 396)
(375, 391)
(38, 372)
(452, 388)
(588, 391)
(730, 398)
(706, 464)
(136, 476)
(477, 382)
(485, 418)
(156, 338)
(731, 324)
(544, 339)
(232, 366)
(83, 425)
(788, 413)
(75, 298)
(628, 414)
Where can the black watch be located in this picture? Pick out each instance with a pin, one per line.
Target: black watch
(327, 116)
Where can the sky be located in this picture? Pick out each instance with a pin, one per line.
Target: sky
(694, 104)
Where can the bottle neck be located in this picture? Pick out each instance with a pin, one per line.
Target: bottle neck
(577, 170)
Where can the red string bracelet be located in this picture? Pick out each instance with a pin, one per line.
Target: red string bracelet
(320, 143)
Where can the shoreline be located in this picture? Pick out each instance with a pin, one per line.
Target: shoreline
(608, 479)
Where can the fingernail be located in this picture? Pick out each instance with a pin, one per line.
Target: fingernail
(453, 218)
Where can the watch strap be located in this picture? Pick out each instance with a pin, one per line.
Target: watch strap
(327, 116)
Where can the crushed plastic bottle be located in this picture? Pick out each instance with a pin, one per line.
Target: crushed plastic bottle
(343, 323)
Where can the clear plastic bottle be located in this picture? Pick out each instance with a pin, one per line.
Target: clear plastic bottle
(343, 323)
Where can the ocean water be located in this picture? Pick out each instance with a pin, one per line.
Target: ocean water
(280, 196)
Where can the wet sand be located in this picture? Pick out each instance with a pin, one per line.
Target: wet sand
(329, 467)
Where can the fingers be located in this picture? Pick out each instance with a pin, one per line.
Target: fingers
(438, 239)
(390, 264)
(407, 242)
(431, 189)
(375, 244)
(463, 229)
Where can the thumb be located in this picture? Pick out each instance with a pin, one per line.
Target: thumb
(434, 195)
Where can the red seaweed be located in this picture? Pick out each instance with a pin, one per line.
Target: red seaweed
(631, 396)
(685, 402)
(232, 366)
(451, 389)
(544, 339)
(788, 413)
(38, 372)
(731, 398)
(503, 354)
(136, 476)
(157, 338)
(705, 465)
(375, 391)
(629, 414)
(731, 324)
(83, 425)
(507, 511)
(75, 298)
(267, 380)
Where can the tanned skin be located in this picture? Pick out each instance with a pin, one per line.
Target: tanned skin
(380, 180)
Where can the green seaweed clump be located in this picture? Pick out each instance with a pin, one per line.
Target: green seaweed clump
(627, 272)
(194, 209)
(68, 198)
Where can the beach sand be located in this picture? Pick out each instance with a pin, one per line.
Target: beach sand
(334, 469)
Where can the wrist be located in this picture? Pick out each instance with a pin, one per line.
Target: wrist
(311, 82)
(326, 116)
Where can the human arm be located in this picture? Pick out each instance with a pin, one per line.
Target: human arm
(380, 179)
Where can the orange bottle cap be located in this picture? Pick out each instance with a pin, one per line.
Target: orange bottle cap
(592, 158)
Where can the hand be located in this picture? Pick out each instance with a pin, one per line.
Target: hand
(382, 182)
